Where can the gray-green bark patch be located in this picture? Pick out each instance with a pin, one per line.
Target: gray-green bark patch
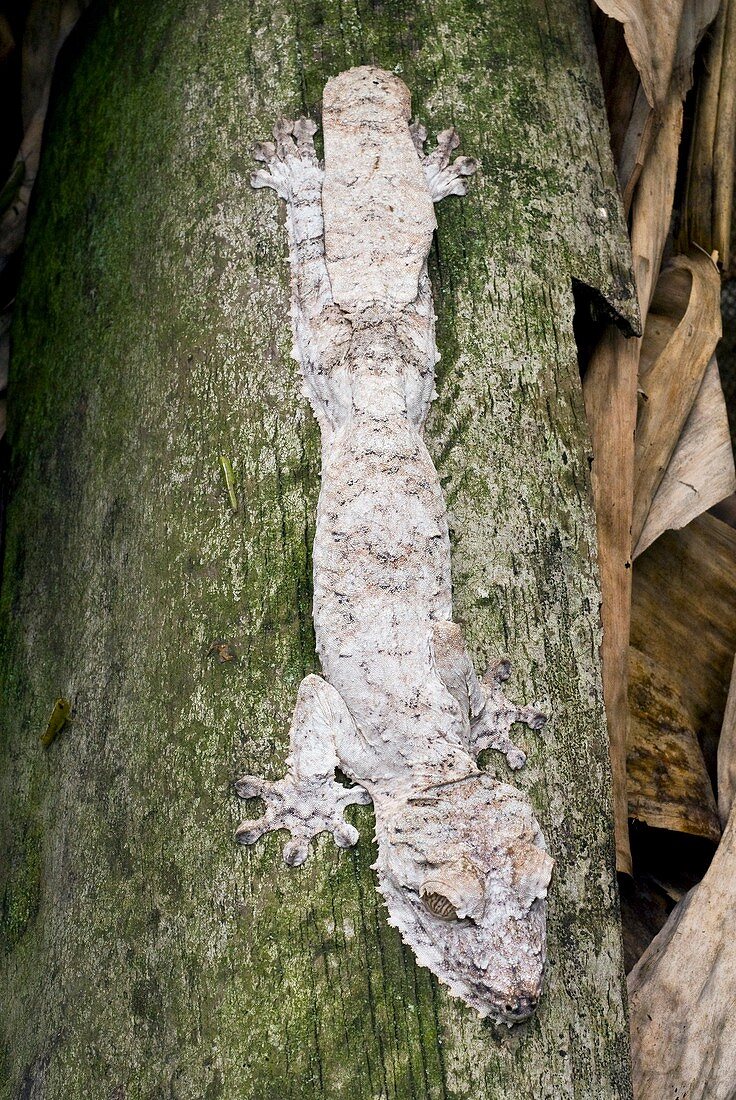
(144, 954)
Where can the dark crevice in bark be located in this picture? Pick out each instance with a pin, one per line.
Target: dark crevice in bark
(592, 314)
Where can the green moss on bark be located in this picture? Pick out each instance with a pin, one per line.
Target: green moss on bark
(147, 956)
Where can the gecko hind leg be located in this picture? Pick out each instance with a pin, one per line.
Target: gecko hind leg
(491, 714)
(490, 728)
(307, 801)
(444, 176)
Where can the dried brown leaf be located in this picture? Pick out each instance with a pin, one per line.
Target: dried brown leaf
(701, 471)
(48, 26)
(668, 784)
(727, 754)
(684, 618)
(609, 390)
(662, 39)
(682, 329)
(681, 993)
(710, 177)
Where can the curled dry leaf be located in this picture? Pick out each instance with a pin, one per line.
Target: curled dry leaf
(40, 38)
(13, 221)
(7, 41)
(662, 39)
(701, 471)
(682, 329)
(681, 993)
(609, 390)
(48, 25)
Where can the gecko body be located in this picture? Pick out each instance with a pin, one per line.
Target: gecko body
(462, 863)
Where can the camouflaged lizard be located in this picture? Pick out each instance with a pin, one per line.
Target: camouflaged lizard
(462, 863)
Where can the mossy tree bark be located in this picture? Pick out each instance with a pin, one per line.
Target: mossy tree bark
(145, 955)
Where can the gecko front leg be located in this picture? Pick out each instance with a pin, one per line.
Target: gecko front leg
(444, 176)
(491, 714)
(307, 801)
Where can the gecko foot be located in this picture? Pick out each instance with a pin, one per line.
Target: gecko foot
(305, 808)
(307, 801)
(291, 155)
(443, 176)
(491, 727)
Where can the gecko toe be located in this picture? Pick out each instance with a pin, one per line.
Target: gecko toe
(296, 852)
(418, 133)
(356, 796)
(465, 166)
(261, 178)
(345, 835)
(447, 141)
(283, 132)
(516, 758)
(248, 832)
(251, 786)
(498, 672)
(535, 718)
(304, 131)
(531, 717)
(264, 151)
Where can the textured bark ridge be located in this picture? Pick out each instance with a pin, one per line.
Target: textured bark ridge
(462, 863)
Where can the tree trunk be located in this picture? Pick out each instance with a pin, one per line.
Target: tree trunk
(145, 955)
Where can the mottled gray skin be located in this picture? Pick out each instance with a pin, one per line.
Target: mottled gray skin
(462, 862)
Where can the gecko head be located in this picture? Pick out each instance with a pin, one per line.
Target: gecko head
(464, 873)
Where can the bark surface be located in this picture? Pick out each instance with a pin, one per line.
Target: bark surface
(144, 953)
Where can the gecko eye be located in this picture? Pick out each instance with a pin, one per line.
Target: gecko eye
(454, 897)
(439, 906)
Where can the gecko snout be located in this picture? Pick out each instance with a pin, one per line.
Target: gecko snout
(520, 1007)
